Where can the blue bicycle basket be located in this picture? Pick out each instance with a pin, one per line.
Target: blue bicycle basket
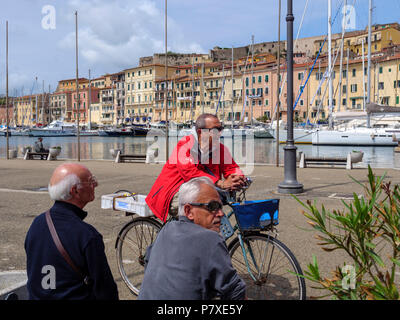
(256, 214)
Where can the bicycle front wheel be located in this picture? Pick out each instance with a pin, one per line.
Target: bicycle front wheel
(268, 267)
(133, 240)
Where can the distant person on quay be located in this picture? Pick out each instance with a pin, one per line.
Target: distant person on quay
(39, 146)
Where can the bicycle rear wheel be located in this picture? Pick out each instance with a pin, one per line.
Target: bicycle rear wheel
(133, 240)
(273, 266)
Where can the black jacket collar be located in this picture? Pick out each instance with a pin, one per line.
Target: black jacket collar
(62, 206)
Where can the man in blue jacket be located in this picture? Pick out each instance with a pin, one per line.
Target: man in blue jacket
(50, 276)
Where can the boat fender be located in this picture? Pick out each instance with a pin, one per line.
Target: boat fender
(372, 136)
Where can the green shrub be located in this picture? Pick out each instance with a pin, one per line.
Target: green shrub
(367, 229)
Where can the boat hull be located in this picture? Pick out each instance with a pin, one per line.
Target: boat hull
(300, 136)
(51, 133)
(354, 138)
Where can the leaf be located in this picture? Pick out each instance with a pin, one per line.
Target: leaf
(376, 258)
(395, 261)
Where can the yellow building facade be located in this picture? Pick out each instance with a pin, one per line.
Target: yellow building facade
(139, 90)
(384, 86)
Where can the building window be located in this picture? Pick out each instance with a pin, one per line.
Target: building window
(259, 79)
(381, 86)
(266, 78)
(353, 88)
(381, 70)
(354, 72)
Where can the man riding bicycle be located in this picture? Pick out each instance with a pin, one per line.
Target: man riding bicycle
(196, 155)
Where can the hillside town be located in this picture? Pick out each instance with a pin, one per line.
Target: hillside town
(238, 84)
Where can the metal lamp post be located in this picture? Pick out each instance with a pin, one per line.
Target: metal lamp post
(290, 184)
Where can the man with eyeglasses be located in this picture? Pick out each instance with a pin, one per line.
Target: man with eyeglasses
(76, 268)
(189, 259)
(200, 154)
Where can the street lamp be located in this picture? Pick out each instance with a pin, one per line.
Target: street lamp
(290, 184)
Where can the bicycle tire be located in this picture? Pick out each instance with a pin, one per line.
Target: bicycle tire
(275, 282)
(132, 242)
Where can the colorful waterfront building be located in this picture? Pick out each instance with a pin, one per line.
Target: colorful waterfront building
(139, 95)
(80, 104)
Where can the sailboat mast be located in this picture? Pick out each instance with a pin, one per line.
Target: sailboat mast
(232, 116)
(222, 94)
(341, 58)
(77, 87)
(369, 59)
(363, 71)
(7, 120)
(193, 102)
(347, 78)
(49, 106)
(202, 88)
(252, 84)
(90, 102)
(330, 61)
(43, 119)
(278, 88)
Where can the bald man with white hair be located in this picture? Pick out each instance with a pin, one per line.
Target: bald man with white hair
(50, 275)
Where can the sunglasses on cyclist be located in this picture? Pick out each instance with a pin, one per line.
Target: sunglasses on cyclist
(219, 129)
(212, 206)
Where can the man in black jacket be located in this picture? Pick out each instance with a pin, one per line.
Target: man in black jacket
(49, 275)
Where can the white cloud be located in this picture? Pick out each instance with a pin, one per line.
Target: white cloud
(115, 34)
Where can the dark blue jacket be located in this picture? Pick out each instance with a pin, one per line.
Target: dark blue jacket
(84, 245)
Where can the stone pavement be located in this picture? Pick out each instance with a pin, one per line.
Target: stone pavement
(23, 196)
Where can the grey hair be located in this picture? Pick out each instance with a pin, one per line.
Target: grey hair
(189, 191)
(62, 190)
(201, 120)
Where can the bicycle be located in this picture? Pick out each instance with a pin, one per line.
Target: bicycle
(268, 267)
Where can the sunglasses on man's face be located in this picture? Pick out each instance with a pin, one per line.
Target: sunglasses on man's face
(212, 206)
(219, 129)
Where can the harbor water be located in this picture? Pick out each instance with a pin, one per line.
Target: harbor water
(261, 151)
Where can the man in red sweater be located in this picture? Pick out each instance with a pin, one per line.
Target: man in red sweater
(196, 155)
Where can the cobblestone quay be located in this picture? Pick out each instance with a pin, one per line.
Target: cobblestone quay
(23, 196)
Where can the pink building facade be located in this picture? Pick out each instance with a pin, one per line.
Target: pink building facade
(83, 103)
(261, 93)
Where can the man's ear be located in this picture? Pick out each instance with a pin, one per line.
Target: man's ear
(188, 212)
(73, 190)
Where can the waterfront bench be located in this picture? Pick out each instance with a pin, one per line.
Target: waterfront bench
(347, 161)
(36, 155)
(130, 157)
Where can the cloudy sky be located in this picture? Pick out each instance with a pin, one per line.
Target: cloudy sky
(113, 34)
